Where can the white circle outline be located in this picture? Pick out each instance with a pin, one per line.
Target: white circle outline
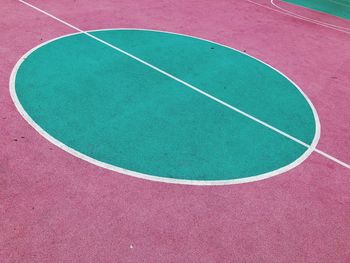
(41, 131)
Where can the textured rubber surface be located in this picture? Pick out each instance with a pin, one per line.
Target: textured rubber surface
(119, 111)
(58, 208)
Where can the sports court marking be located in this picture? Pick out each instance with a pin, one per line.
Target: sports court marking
(308, 19)
(194, 101)
(323, 6)
(288, 13)
(310, 148)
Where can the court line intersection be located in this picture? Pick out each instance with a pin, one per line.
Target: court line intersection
(310, 148)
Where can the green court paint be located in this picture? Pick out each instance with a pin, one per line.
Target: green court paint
(339, 8)
(108, 108)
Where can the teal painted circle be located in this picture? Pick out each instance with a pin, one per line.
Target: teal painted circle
(108, 108)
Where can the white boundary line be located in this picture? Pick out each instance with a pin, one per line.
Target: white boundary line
(310, 19)
(310, 148)
(288, 13)
(80, 155)
(330, 157)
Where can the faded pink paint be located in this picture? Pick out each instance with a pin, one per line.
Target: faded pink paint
(57, 208)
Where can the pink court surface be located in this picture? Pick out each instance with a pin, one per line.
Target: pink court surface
(55, 207)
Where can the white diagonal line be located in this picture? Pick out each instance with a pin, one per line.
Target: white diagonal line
(189, 85)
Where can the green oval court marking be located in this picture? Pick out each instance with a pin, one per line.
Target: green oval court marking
(111, 110)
